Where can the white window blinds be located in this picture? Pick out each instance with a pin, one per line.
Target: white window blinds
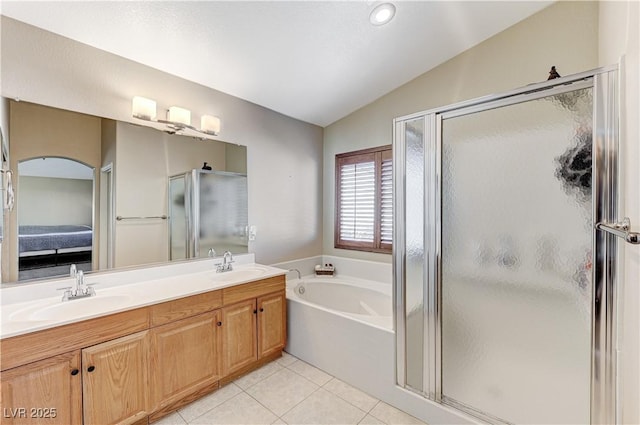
(357, 201)
(386, 202)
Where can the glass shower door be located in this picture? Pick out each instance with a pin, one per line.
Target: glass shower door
(516, 259)
(415, 332)
(222, 212)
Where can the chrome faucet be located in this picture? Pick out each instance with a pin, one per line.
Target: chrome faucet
(79, 288)
(226, 266)
(298, 271)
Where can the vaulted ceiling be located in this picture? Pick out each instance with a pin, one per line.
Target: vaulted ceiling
(314, 61)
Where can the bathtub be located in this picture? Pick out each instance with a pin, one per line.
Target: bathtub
(344, 326)
(365, 301)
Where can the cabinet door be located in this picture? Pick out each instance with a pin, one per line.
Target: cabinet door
(45, 392)
(186, 357)
(272, 324)
(239, 336)
(115, 380)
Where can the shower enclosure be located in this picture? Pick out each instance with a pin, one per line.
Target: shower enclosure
(207, 209)
(505, 291)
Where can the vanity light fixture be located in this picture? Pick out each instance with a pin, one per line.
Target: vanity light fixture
(382, 14)
(178, 119)
(179, 116)
(144, 109)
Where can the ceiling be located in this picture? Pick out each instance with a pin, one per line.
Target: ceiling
(314, 61)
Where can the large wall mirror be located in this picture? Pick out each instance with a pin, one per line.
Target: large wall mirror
(104, 194)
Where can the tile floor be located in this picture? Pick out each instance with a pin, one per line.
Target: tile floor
(288, 391)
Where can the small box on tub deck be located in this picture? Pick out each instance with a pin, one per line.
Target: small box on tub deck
(326, 270)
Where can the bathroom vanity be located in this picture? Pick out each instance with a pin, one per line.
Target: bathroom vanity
(141, 361)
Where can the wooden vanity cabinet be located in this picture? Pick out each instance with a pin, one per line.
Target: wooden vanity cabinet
(139, 365)
(272, 324)
(44, 392)
(186, 358)
(239, 336)
(253, 323)
(103, 384)
(115, 381)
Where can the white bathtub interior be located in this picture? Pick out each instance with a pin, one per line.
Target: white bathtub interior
(359, 299)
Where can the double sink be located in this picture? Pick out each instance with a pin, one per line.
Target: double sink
(124, 297)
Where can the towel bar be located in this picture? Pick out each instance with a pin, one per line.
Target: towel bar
(161, 217)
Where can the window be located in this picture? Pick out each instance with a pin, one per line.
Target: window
(364, 200)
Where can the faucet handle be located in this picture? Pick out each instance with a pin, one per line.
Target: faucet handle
(212, 252)
(73, 270)
(67, 292)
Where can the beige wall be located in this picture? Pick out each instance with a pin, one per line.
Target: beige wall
(108, 146)
(38, 131)
(47, 201)
(140, 191)
(284, 155)
(564, 34)
(236, 158)
(108, 128)
(620, 37)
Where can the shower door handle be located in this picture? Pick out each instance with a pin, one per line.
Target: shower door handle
(621, 230)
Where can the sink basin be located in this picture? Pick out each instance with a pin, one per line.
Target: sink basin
(71, 309)
(240, 274)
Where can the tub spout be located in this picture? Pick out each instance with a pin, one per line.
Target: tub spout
(296, 270)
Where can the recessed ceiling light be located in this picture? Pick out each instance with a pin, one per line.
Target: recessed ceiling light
(382, 13)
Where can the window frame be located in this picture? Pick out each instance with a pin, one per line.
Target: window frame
(379, 154)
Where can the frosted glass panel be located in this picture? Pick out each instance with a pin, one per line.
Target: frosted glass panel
(516, 260)
(177, 218)
(223, 213)
(415, 253)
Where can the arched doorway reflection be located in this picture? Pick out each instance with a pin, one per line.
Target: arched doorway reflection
(55, 216)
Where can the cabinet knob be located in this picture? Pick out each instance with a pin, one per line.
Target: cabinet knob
(219, 323)
(261, 310)
(74, 372)
(255, 311)
(91, 368)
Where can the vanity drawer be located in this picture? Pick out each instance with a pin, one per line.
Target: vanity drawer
(255, 289)
(27, 348)
(185, 307)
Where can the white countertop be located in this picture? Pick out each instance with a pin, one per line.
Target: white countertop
(21, 316)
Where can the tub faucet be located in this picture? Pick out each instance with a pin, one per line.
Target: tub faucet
(298, 271)
(226, 266)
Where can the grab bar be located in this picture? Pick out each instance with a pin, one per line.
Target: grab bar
(161, 217)
(621, 230)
